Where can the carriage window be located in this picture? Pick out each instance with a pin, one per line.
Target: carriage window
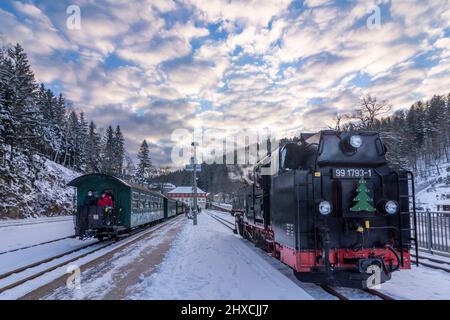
(142, 201)
(258, 178)
(283, 157)
(147, 202)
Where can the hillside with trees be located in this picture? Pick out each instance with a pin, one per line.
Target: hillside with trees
(417, 138)
(37, 126)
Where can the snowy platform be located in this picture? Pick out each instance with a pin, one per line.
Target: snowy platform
(210, 262)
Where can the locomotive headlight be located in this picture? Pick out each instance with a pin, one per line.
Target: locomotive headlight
(356, 141)
(391, 207)
(325, 208)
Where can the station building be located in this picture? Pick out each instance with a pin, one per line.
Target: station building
(186, 195)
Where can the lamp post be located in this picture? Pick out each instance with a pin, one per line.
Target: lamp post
(194, 163)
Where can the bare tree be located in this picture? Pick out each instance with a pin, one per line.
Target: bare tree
(337, 122)
(369, 109)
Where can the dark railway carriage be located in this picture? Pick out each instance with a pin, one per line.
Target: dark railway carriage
(335, 212)
(133, 206)
(174, 207)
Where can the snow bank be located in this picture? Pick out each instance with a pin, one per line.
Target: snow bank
(210, 262)
(418, 284)
(16, 234)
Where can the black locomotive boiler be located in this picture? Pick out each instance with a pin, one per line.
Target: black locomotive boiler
(334, 211)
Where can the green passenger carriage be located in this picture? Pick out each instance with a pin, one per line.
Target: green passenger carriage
(133, 206)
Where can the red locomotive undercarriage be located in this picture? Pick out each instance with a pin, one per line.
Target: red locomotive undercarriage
(307, 261)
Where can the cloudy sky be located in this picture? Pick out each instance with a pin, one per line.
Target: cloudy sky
(153, 66)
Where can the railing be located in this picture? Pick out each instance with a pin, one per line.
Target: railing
(433, 231)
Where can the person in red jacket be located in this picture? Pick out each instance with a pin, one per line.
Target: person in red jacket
(105, 200)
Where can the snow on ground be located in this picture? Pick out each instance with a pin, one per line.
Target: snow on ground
(224, 215)
(115, 277)
(427, 187)
(419, 283)
(225, 206)
(209, 262)
(14, 260)
(48, 277)
(16, 234)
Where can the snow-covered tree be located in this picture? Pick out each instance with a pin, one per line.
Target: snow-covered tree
(82, 140)
(129, 172)
(19, 95)
(93, 150)
(119, 152)
(145, 166)
(108, 152)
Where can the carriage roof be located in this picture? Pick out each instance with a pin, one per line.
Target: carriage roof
(93, 176)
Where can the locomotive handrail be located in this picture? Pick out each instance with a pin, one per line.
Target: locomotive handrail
(414, 214)
(400, 222)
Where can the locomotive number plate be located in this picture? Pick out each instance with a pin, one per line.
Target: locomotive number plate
(352, 173)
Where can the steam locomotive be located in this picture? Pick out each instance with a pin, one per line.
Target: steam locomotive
(332, 209)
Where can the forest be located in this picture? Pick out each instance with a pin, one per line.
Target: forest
(35, 121)
(418, 138)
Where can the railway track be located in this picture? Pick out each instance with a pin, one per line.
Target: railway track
(37, 245)
(139, 234)
(342, 296)
(334, 292)
(225, 222)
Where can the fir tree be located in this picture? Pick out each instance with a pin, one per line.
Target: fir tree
(93, 150)
(119, 152)
(6, 117)
(145, 166)
(82, 141)
(129, 172)
(26, 121)
(108, 152)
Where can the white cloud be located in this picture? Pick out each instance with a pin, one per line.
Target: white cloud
(316, 3)
(246, 12)
(287, 58)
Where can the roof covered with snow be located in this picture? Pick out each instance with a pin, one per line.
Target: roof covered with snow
(186, 190)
